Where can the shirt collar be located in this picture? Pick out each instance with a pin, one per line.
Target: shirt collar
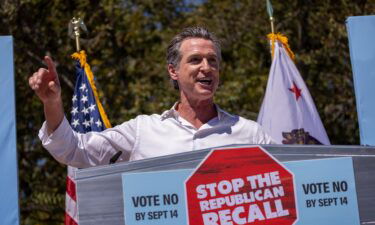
(172, 113)
(221, 114)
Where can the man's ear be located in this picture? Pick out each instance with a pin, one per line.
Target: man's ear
(172, 72)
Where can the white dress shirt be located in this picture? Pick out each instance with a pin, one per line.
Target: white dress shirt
(149, 136)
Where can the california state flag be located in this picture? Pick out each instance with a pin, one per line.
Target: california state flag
(288, 113)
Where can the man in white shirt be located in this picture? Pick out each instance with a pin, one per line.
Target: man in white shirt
(193, 123)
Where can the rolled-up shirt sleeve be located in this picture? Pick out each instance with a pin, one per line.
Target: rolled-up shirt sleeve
(92, 148)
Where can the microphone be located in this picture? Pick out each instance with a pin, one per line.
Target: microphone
(115, 157)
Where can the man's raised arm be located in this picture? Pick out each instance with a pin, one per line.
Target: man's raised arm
(45, 83)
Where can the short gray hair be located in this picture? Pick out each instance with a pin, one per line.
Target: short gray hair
(173, 50)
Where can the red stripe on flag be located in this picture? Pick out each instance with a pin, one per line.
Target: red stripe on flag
(69, 220)
(71, 188)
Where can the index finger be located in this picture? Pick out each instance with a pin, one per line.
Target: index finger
(50, 64)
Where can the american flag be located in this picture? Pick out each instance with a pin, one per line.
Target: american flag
(87, 115)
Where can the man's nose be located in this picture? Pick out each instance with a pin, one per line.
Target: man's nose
(206, 67)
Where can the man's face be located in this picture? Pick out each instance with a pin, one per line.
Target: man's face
(198, 71)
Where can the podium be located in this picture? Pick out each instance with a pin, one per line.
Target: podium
(99, 189)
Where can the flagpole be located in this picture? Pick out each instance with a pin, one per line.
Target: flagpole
(71, 209)
(272, 25)
(75, 26)
(270, 14)
(272, 20)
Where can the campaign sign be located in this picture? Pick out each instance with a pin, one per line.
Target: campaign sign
(154, 198)
(241, 185)
(325, 190)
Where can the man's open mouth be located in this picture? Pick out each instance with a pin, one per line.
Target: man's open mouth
(205, 81)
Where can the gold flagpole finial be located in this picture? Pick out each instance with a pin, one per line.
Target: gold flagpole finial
(74, 30)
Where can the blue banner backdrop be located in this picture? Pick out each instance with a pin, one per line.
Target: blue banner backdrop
(361, 30)
(9, 208)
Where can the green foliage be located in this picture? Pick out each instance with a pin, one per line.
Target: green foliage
(126, 49)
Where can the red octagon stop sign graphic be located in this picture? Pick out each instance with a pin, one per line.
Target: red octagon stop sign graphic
(243, 185)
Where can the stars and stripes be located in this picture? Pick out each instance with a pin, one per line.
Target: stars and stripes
(87, 115)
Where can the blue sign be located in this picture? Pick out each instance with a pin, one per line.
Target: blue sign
(155, 198)
(9, 213)
(326, 192)
(325, 189)
(361, 30)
